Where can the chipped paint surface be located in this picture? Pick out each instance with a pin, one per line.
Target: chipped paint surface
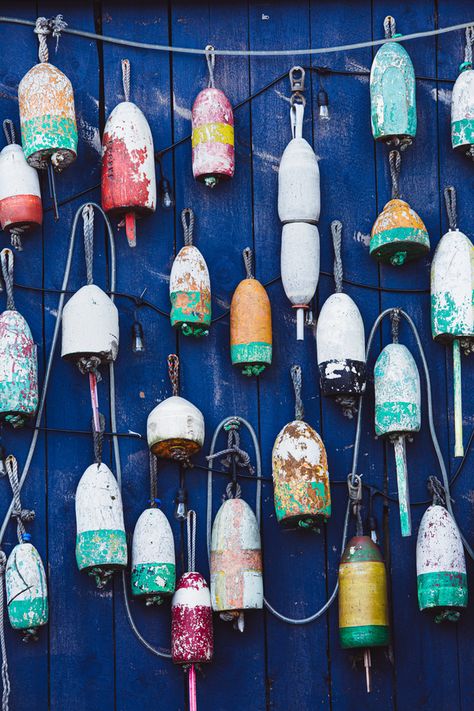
(128, 162)
(398, 234)
(190, 292)
(26, 588)
(20, 195)
(300, 475)
(153, 556)
(452, 281)
(363, 606)
(462, 110)
(18, 369)
(175, 424)
(191, 621)
(236, 559)
(100, 539)
(212, 135)
(392, 93)
(90, 325)
(250, 327)
(440, 562)
(47, 117)
(299, 194)
(300, 261)
(397, 391)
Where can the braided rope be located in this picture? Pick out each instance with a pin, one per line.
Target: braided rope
(173, 372)
(126, 78)
(336, 231)
(247, 254)
(21, 515)
(9, 131)
(296, 378)
(450, 200)
(7, 262)
(153, 480)
(88, 226)
(469, 43)
(389, 27)
(191, 535)
(98, 438)
(43, 28)
(3, 646)
(395, 318)
(187, 220)
(211, 63)
(395, 162)
(437, 491)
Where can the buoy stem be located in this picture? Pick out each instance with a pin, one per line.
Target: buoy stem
(402, 484)
(52, 189)
(94, 401)
(300, 324)
(130, 229)
(458, 444)
(367, 665)
(192, 688)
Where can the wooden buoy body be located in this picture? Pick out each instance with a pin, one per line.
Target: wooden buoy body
(47, 117)
(212, 138)
(299, 194)
(440, 565)
(250, 327)
(300, 476)
(153, 557)
(90, 326)
(300, 267)
(190, 292)
(18, 369)
(398, 234)
(462, 111)
(192, 639)
(397, 392)
(20, 195)
(26, 589)
(175, 425)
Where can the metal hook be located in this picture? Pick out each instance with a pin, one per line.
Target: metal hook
(297, 75)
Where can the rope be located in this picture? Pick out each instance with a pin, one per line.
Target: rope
(389, 27)
(295, 372)
(98, 438)
(191, 533)
(173, 372)
(354, 489)
(469, 43)
(395, 161)
(336, 231)
(450, 200)
(248, 262)
(9, 131)
(153, 480)
(3, 646)
(436, 489)
(187, 220)
(395, 318)
(42, 30)
(126, 78)
(21, 515)
(57, 25)
(88, 220)
(233, 451)
(211, 63)
(15, 238)
(7, 262)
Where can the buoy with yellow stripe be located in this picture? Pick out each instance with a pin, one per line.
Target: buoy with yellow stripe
(212, 138)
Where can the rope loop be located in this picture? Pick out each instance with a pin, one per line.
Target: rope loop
(395, 318)
(173, 372)
(395, 162)
(469, 44)
(247, 254)
(211, 63)
(21, 515)
(354, 488)
(451, 205)
(43, 28)
(7, 262)
(9, 131)
(336, 231)
(297, 102)
(233, 491)
(126, 78)
(191, 535)
(233, 450)
(437, 491)
(187, 220)
(389, 27)
(88, 227)
(153, 480)
(98, 438)
(295, 372)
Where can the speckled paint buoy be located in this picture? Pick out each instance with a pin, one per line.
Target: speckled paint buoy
(398, 234)
(26, 589)
(192, 639)
(153, 557)
(462, 102)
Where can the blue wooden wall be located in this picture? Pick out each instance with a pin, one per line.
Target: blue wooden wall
(88, 659)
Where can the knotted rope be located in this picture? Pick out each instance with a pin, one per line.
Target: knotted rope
(126, 78)
(395, 161)
(21, 515)
(450, 200)
(389, 27)
(7, 264)
(296, 379)
(44, 27)
(187, 220)
(191, 536)
(247, 254)
(336, 231)
(211, 63)
(233, 453)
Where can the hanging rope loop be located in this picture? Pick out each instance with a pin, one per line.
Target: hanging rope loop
(395, 318)
(88, 227)
(9, 131)
(437, 491)
(191, 535)
(450, 201)
(247, 254)
(7, 261)
(211, 63)
(354, 488)
(22, 516)
(98, 439)
(468, 47)
(153, 480)
(187, 220)
(389, 26)
(45, 27)
(233, 451)
(395, 162)
(173, 372)
(296, 379)
(126, 78)
(3, 646)
(336, 232)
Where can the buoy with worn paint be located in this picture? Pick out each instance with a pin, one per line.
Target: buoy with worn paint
(175, 427)
(393, 92)
(452, 296)
(301, 486)
(363, 606)
(25, 577)
(462, 102)
(250, 323)
(340, 340)
(18, 357)
(212, 138)
(20, 195)
(398, 413)
(440, 563)
(190, 286)
(398, 234)
(128, 162)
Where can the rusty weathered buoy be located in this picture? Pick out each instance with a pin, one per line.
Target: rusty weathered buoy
(250, 323)
(212, 137)
(462, 102)
(190, 286)
(302, 492)
(128, 162)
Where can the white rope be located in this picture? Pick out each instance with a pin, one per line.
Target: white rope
(469, 43)
(126, 78)
(211, 63)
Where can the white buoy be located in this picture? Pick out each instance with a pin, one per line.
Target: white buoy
(153, 557)
(300, 267)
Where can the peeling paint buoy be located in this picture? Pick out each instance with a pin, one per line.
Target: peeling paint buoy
(462, 102)
(153, 558)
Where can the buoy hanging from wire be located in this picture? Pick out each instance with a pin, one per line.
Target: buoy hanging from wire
(440, 563)
(250, 323)
(462, 102)
(452, 318)
(398, 234)
(101, 546)
(212, 137)
(128, 162)
(153, 558)
(300, 470)
(47, 114)
(175, 427)
(340, 340)
(192, 640)
(398, 410)
(90, 323)
(20, 195)
(393, 92)
(25, 578)
(18, 357)
(190, 286)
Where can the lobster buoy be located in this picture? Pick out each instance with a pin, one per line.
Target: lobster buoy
(250, 323)
(340, 340)
(190, 286)
(20, 195)
(212, 137)
(128, 162)
(462, 102)
(452, 317)
(18, 357)
(363, 606)
(191, 621)
(153, 559)
(398, 413)
(393, 92)
(301, 486)
(300, 267)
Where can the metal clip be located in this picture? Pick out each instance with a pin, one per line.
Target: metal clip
(297, 75)
(354, 486)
